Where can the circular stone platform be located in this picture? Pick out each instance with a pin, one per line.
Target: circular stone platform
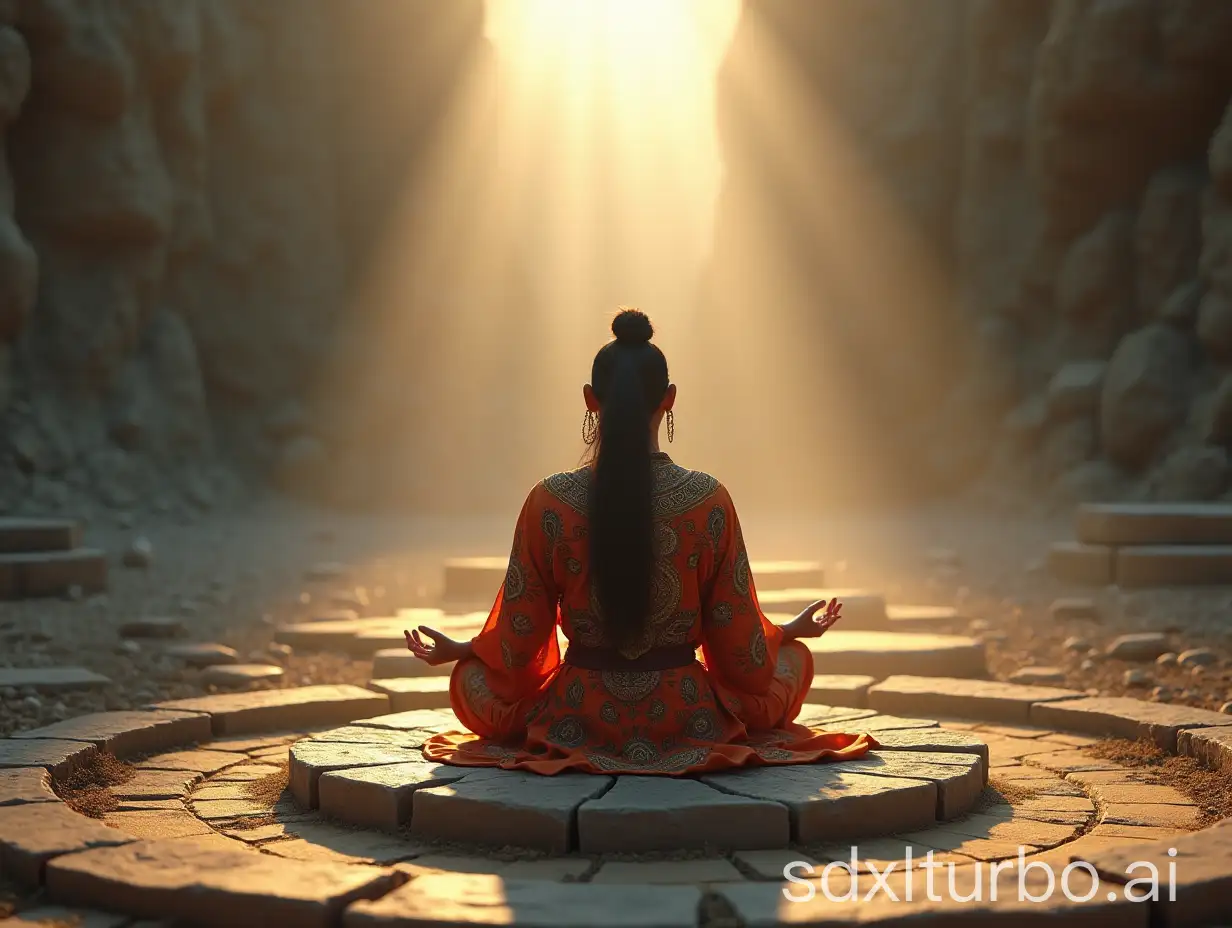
(203, 827)
(368, 775)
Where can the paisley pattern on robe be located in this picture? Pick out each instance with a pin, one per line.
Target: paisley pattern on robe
(734, 706)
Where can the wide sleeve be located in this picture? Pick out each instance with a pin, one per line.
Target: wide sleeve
(738, 642)
(518, 643)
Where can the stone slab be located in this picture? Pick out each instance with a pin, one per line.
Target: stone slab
(407, 693)
(240, 675)
(1163, 566)
(148, 785)
(310, 759)
(829, 802)
(974, 699)
(933, 740)
(23, 536)
(960, 778)
(157, 823)
(1212, 746)
(60, 757)
(667, 872)
(430, 720)
(1088, 565)
(923, 618)
(364, 734)
(644, 813)
(52, 679)
(1155, 524)
(474, 579)
(325, 842)
(203, 653)
(1120, 717)
(57, 916)
(52, 573)
(513, 807)
(21, 785)
(273, 710)
(840, 689)
(34, 833)
(246, 773)
(389, 663)
(380, 797)
(474, 900)
(886, 654)
(201, 882)
(201, 761)
(126, 733)
(863, 610)
(1203, 874)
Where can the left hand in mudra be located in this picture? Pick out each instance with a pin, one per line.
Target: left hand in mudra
(442, 650)
(811, 624)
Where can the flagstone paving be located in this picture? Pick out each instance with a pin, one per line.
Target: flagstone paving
(316, 807)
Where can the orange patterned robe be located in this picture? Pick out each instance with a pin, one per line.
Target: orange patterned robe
(529, 710)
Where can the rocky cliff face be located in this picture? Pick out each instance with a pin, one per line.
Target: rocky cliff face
(183, 203)
(1008, 224)
(1069, 164)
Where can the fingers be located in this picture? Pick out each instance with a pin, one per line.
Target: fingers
(431, 633)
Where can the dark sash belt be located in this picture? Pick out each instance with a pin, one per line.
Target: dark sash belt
(668, 658)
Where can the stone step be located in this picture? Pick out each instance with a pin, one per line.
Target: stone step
(1155, 524)
(407, 693)
(52, 573)
(476, 580)
(885, 654)
(1174, 565)
(1074, 562)
(25, 536)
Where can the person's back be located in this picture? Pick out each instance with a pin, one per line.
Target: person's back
(641, 562)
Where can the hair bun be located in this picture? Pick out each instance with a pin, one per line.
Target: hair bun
(632, 326)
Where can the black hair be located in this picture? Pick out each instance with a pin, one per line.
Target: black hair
(629, 377)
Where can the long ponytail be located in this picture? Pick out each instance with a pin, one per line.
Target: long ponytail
(629, 377)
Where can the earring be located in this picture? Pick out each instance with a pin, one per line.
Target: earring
(590, 428)
(671, 426)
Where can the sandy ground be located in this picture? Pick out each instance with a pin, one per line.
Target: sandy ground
(233, 575)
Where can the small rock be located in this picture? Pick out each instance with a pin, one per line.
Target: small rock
(280, 650)
(1136, 678)
(32, 702)
(140, 553)
(1197, 657)
(1038, 676)
(1077, 645)
(1226, 708)
(1088, 664)
(204, 655)
(1074, 608)
(1144, 646)
(1197, 671)
(1167, 659)
(1161, 694)
(128, 647)
(74, 593)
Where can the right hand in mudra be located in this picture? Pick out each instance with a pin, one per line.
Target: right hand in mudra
(808, 624)
(442, 650)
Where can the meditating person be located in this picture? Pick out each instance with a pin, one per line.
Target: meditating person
(640, 562)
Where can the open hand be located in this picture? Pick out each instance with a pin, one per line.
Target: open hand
(811, 624)
(442, 650)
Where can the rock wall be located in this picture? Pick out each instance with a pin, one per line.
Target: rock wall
(1070, 164)
(189, 186)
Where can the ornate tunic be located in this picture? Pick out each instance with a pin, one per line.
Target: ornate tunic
(526, 709)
